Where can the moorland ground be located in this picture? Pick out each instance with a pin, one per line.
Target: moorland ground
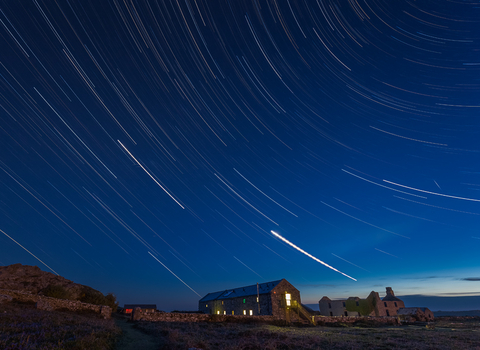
(24, 327)
(444, 333)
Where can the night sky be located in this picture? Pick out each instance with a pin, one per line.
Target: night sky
(150, 148)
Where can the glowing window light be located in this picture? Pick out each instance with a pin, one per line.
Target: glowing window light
(244, 312)
(251, 312)
(288, 298)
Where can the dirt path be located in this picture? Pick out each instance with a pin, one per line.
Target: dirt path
(134, 339)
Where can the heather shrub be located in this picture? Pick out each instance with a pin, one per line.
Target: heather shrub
(56, 291)
(93, 296)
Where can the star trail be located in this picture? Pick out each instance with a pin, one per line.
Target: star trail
(188, 130)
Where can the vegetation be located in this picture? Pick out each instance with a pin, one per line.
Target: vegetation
(56, 291)
(93, 296)
(452, 333)
(24, 327)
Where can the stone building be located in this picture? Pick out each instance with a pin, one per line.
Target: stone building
(354, 306)
(278, 298)
(128, 308)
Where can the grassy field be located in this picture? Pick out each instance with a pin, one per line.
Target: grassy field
(445, 333)
(24, 327)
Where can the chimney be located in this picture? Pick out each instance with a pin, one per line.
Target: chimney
(390, 291)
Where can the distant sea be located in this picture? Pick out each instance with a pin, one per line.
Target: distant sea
(457, 313)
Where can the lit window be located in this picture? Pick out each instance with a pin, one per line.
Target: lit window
(288, 299)
(244, 301)
(222, 302)
(224, 312)
(251, 312)
(206, 305)
(244, 312)
(233, 312)
(218, 312)
(128, 311)
(257, 299)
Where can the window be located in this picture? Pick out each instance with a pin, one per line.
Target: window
(218, 312)
(395, 304)
(385, 303)
(206, 305)
(356, 303)
(331, 313)
(244, 301)
(251, 312)
(244, 312)
(329, 306)
(233, 312)
(346, 313)
(388, 313)
(288, 299)
(224, 312)
(343, 304)
(128, 311)
(222, 302)
(257, 300)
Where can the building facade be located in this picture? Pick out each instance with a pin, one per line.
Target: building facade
(370, 306)
(278, 298)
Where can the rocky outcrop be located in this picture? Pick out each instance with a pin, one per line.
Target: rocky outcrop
(32, 279)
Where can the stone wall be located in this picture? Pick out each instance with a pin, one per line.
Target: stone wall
(320, 320)
(47, 303)
(138, 315)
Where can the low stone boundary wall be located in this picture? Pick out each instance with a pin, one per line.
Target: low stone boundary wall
(138, 315)
(351, 319)
(48, 303)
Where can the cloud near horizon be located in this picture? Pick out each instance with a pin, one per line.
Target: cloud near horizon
(471, 279)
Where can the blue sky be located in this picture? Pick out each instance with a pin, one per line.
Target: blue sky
(150, 148)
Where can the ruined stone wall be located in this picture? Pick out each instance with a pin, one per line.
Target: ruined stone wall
(48, 303)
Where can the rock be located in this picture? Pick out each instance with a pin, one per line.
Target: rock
(5, 298)
(43, 305)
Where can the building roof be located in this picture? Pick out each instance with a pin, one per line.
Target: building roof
(263, 288)
(141, 306)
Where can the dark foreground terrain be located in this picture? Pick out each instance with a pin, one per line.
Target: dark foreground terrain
(445, 333)
(24, 327)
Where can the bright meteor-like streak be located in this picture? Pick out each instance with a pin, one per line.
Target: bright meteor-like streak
(310, 255)
(174, 274)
